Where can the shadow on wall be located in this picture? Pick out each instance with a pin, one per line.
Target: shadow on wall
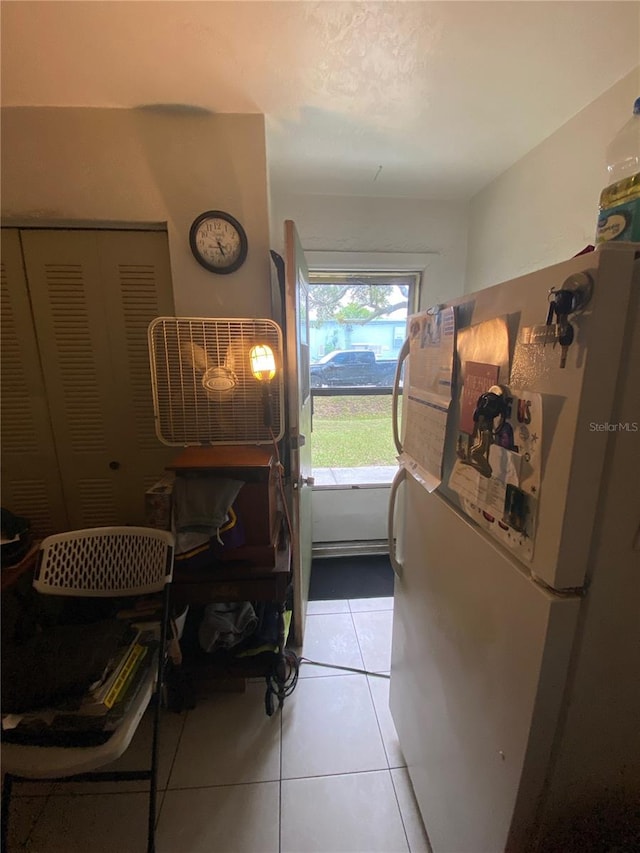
(181, 133)
(609, 823)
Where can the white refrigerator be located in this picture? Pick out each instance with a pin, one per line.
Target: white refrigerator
(515, 674)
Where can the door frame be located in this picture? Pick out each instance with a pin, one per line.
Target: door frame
(299, 423)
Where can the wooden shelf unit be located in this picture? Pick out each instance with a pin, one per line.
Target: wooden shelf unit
(257, 571)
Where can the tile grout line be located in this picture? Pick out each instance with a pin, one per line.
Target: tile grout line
(404, 827)
(375, 710)
(35, 821)
(173, 761)
(388, 769)
(355, 631)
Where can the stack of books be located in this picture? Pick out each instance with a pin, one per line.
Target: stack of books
(101, 710)
(117, 677)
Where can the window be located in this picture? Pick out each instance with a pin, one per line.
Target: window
(360, 312)
(357, 323)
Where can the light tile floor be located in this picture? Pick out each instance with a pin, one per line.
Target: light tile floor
(326, 774)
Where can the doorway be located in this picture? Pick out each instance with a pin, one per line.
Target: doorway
(357, 325)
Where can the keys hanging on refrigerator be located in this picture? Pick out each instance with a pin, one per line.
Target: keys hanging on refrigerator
(565, 339)
(493, 404)
(572, 297)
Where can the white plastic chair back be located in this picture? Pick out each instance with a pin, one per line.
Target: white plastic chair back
(105, 561)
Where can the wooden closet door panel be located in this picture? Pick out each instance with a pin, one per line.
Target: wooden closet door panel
(93, 295)
(63, 272)
(31, 482)
(135, 269)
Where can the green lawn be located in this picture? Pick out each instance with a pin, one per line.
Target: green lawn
(352, 432)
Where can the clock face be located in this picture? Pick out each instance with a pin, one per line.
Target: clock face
(218, 242)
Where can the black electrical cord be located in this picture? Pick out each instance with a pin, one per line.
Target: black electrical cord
(293, 670)
(282, 687)
(347, 668)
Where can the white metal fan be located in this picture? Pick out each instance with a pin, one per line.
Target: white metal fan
(204, 390)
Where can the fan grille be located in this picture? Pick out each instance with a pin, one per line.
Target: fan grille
(193, 363)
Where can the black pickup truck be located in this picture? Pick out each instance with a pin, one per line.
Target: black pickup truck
(352, 368)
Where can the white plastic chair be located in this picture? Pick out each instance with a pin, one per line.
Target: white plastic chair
(99, 562)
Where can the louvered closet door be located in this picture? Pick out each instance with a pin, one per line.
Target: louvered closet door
(135, 271)
(93, 294)
(31, 484)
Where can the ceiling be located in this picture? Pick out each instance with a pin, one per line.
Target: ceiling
(407, 99)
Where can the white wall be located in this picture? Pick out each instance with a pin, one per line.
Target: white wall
(149, 165)
(543, 209)
(381, 225)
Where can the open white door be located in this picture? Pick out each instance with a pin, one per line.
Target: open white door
(297, 347)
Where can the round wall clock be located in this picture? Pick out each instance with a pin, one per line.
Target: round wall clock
(218, 241)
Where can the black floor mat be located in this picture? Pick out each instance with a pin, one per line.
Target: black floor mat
(351, 577)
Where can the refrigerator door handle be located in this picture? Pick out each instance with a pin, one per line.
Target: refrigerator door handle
(396, 562)
(402, 355)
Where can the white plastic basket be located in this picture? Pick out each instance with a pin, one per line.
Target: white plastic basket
(105, 561)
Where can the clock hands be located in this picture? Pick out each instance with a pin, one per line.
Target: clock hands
(219, 248)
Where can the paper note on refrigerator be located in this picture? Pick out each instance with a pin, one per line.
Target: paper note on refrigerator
(428, 397)
(424, 438)
(431, 342)
(505, 502)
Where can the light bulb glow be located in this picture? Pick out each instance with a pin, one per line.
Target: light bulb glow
(263, 363)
